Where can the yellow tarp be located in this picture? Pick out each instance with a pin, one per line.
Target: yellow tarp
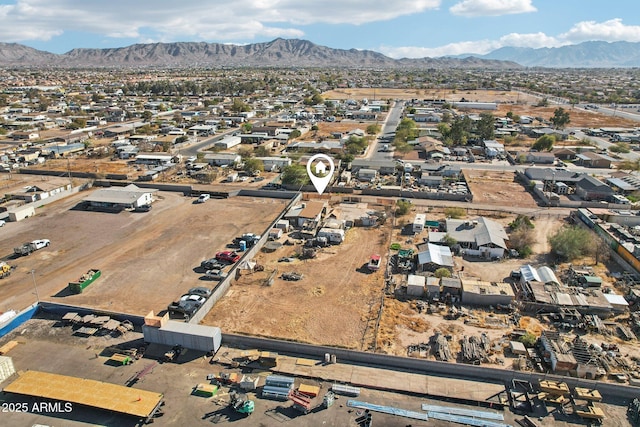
(112, 397)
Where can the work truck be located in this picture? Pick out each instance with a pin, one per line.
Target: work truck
(29, 247)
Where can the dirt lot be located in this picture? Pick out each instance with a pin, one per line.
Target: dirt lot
(579, 118)
(332, 304)
(326, 128)
(455, 95)
(147, 259)
(497, 188)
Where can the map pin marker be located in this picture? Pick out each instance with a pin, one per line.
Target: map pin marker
(320, 169)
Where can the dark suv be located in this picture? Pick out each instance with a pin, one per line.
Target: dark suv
(186, 308)
(212, 264)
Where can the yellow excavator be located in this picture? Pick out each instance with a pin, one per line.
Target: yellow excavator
(5, 269)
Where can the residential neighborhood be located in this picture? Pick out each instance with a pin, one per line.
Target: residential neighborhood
(481, 218)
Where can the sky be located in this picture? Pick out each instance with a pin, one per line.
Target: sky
(396, 28)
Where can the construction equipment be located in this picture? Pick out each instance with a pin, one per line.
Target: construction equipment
(5, 269)
(240, 403)
(172, 355)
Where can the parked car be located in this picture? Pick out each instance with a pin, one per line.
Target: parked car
(227, 256)
(187, 308)
(211, 264)
(143, 208)
(196, 299)
(203, 198)
(215, 274)
(200, 290)
(2, 222)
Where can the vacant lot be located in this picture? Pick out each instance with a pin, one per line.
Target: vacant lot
(147, 259)
(448, 94)
(497, 188)
(332, 304)
(579, 118)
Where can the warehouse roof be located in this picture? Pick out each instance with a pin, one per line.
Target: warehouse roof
(119, 195)
(97, 394)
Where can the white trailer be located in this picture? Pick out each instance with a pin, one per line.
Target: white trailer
(333, 235)
(194, 337)
(418, 223)
(21, 212)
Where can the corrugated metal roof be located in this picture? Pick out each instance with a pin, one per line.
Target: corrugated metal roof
(436, 254)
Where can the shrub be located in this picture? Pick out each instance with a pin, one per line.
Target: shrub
(454, 212)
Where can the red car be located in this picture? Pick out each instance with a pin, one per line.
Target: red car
(228, 256)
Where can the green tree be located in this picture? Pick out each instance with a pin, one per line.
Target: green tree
(261, 151)
(570, 243)
(620, 147)
(147, 115)
(403, 207)
(295, 134)
(317, 99)
(522, 236)
(295, 174)
(246, 127)
(237, 106)
(442, 272)
(560, 118)
(528, 339)
(253, 165)
(449, 241)
(460, 129)
(485, 127)
(245, 152)
(406, 130)
(544, 143)
(373, 129)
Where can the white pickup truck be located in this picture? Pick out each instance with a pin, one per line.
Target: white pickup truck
(29, 247)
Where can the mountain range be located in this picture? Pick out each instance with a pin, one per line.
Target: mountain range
(293, 53)
(592, 54)
(276, 53)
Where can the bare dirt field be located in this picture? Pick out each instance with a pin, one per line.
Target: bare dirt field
(326, 128)
(497, 188)
(333, 304)
(579, 118)
(147, 259)
(448, 94)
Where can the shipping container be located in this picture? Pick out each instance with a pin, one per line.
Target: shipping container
(193, 337)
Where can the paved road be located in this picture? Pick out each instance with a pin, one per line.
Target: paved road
(605, 144)
(389, 126)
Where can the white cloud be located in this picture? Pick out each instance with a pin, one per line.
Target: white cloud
(174, 20)
(479, 46)
(611, 30)
(491, 7)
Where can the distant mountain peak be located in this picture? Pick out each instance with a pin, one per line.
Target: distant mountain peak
(589, 54)
(279, 52)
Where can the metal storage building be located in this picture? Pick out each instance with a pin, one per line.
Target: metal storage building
(194, 337)
(415, 285)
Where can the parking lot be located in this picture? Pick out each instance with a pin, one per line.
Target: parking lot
(147, 259)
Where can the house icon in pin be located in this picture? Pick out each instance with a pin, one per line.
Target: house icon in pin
(321, 168)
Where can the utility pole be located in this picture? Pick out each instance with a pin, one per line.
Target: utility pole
(35, 287)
